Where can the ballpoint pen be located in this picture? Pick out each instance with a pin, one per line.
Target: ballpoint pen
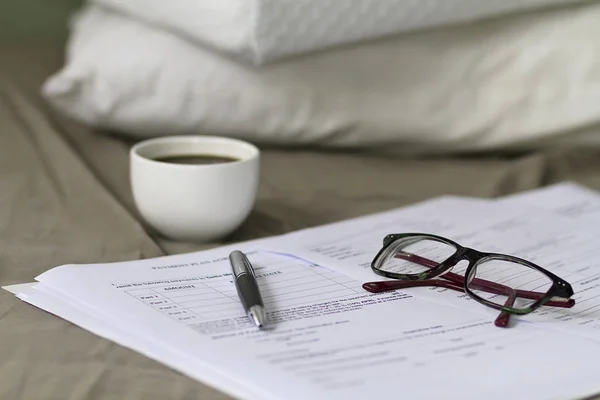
(247, 288)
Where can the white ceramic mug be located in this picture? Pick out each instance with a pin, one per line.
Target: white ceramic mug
(194, 203)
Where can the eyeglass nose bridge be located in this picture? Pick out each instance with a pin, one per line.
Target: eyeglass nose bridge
(462, 254)
(472, 255)
(451, 262)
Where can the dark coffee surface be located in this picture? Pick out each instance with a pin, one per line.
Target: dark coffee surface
(196, 159)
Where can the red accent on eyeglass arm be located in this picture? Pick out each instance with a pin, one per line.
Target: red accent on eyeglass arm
(484, 285)
(376, 287)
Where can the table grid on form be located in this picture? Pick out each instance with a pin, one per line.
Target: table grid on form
(285, 283)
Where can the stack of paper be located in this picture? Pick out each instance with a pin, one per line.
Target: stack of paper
(330, 339)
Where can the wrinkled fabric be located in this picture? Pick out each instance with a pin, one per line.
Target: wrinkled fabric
(65, 198)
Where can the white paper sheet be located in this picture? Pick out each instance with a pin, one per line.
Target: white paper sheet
(330, 339)
(556, 242)
(567, 199)
(110, 328)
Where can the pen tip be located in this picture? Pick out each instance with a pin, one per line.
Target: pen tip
(257, 316)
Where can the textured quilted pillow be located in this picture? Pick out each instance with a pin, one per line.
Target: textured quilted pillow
(259, 31)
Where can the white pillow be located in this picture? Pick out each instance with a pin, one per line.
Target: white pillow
(259, 31)
(526, 79)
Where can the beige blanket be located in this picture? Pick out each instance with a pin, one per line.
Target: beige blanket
(65, 198)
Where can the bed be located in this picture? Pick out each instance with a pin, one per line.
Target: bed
(65, 198)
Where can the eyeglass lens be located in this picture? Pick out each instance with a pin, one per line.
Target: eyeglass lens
(510, 277)
(492, 280)
(414, 255)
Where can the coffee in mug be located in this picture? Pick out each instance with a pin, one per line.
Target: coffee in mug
(196, 159)
(194, 188)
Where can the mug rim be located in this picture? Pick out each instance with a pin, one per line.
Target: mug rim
(135, 150)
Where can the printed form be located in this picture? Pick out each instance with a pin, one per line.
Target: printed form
(557, 243)
(327, 337)
(330, 339)
(568, 199)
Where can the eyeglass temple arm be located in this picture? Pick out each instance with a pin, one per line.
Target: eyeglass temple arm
(376, 287)
(490, 287)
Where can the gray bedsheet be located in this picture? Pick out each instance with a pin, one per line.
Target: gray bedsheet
(65, 198)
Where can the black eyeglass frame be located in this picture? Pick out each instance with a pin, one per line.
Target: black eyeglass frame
(560, 288)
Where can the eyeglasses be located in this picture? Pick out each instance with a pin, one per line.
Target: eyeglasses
(503, 282)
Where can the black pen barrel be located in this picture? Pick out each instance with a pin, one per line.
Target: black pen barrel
(248, 292)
